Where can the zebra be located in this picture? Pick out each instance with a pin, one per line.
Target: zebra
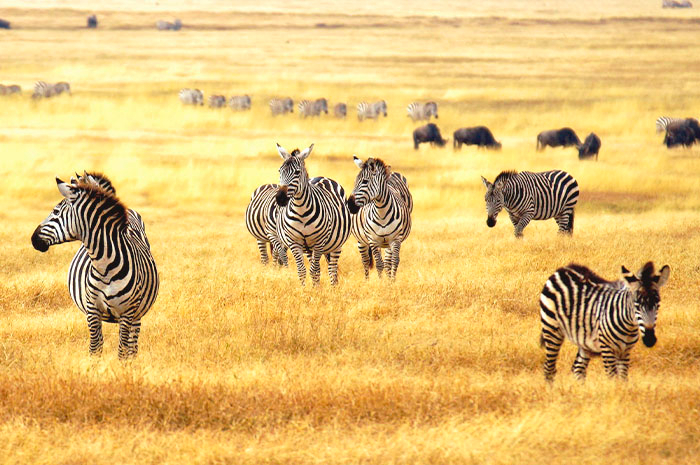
(601, 317)
(381, 207)
(43, 89)
(261, 220)
(239, 102)
(13, 89)
(61, 87)
(168, 26)
(191, 97)
(118, 282)
(313, 108)
(532, 196)
(217, 101)
(419, 111)
(340, 110)
(371, 110)
(662, 122)
(279, 106)
(314, 219)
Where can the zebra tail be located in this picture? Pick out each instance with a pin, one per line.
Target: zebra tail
(571, 223)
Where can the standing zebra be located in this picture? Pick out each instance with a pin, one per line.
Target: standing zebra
(61, 87)
(43, 89)
(313, 108)
(419, 111)
(314, 219)
(191, 97)
(381, 207)
(279, 106)
(239, 102)
(340, 110)
(217, 101)
(532, 196)
(662, 122)
(600, 317)
(371, 110)
(261, 220)
(119, 282)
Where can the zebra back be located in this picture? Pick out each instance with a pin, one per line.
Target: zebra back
(662, 122)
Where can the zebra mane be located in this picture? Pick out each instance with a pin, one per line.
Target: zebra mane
(101, 179)
(110, 202)
(379, 163)
(505, 176)
(588, 274)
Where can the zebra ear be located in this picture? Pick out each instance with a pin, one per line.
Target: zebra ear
(66, 190)
(306, 153)
(663, 275)
(486, 183)
(283, 153)
(357, 161)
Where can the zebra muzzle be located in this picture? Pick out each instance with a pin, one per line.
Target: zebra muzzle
(38, 243)
(649, 338)
(490, 222)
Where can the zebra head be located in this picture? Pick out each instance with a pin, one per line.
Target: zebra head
(62, 223)
(494, 200)
(431, 109)
(322, 105)
(293, 174)
(380, 108)
(373, 175)
(645, 290)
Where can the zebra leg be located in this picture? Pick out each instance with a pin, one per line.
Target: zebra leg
(366, 257)
(299, 258)
(124, 337)
(565, 221)
(333, 258)
(551, 343)
(524, 220)
(394, 259)
(262, 247)
(315, 267)
(623, 365)
(513, 219)
(133, 347)
(580, 364)
(95, 326)
(377, 254)
(609, 362)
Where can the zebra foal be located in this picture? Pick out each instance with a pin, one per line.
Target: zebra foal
(113, 277)
(381, 207)
(530, 196)
(314, 219)
(601, 317)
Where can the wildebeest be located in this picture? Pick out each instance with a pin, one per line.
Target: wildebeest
(217, 101)
(92, 21)
(479, 135)
(4, 24)
(340, 110)
(428, 133)
(676, 4)
(590, 147)
(564, 137)
(682, 133)
(239, 102)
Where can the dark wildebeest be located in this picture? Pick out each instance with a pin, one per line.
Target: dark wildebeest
(340, 110)
(590, 147)
(479, 135)
(564, 137)
(4, 24)
(92, 21)
(428, 133)
(681, 133)
(676, 4)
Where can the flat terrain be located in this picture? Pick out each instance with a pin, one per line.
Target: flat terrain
(239, 364)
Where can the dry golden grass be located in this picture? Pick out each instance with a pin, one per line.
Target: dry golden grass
(238, 363)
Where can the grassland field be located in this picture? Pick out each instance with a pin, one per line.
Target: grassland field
(238, 364)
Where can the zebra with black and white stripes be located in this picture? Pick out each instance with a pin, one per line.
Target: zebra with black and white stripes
(662, 122)
(191, 96)
(314, 219)
(280, 106)
(371, 110)
(261, 217)
(313, 107)
(43, 89)
(217, 101)
(422, 111)
(530, 196)
(239, 102)
(601, 317)
(381, 207)
(118, 282)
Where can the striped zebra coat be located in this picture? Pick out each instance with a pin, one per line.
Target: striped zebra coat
(119, 282)
(662, 122)
(422, 111)
(280, 106)
(239, 102)
(43, 89)
(371, 110)
(261, 217)
(313, 108)
(601, 317)
(217, 101)
(191, 97)
(381, 207)
(530, 196)
(314, 219)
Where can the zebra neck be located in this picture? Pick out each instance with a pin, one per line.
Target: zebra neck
(511, 193)
(302, 197)
(628, 314)
(103, 245)
(384, 201)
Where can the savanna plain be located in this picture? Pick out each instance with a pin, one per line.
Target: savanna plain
(238, 363)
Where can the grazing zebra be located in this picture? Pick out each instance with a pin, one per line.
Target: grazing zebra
(314, 219)
(217, 101)
(43, 89)
(601, 317)
(419, 111)
(371, 110)
(662, 122)
(381, 207)
(532, 196)
(280, 106)
(261, 220)
(191, 97)
(239, 102)
(340, 110)
(119, 281)
(313, 108)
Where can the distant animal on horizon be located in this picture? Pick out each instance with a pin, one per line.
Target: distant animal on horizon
(340, 110)
(313, 107)
(217, 101)
(9, 90)
(261, 218)
(168, 26)
(676, 4)
(371, 110)
(428, 133)
(683, 132)
(381, 207)
(422, 111)
(43, 89)
(191, 96)
(4, 24)
(564, 137)
(602, 318)
(590, 147)
(662, 122)
(92, 21)
(530, 196)
(480, 136)
(280, 106)
(239, 102)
